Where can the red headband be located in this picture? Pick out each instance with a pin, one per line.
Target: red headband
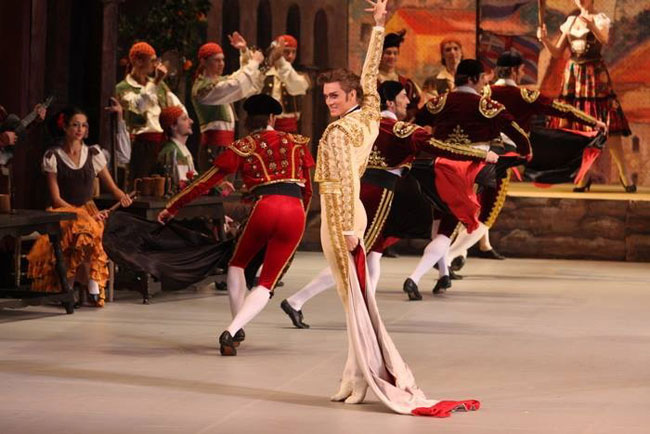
(289, 41)
(209, 49)
(169, 116)
(140, 49)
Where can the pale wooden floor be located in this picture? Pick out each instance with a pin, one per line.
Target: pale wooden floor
(547, 346)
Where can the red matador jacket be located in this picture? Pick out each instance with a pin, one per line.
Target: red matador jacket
(399, 142)
(263, 158)
(523, 104)
(468, 119)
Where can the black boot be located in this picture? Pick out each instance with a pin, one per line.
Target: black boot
(457, 263)
(227, 344)
(490, 254)
(239, 337)
(454, 276)
(411, 288)
(294, 315)
(442, 285)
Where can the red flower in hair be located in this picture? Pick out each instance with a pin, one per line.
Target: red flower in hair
(60, 121)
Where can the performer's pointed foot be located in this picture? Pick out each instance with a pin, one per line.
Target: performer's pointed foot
(489, 254)
(457, 263)
(294, 315)
(454, 276)
(442, 285)
(345, 390)
(411, 288)
(359, 389)
(227, 344)
(239, 337)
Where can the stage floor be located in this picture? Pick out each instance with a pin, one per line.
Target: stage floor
(565, 191)
(547, 346)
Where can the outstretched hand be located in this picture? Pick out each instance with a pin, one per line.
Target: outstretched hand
(378, 10)
(237, 41)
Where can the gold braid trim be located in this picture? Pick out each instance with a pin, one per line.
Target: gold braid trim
(243, 147)
(516, 126)
(457, 149)
(490, 108)
(404, 129)
(530, 96)
(298, 139)
(500, 200)
(372, 233)
(486, 92)
(337, 240)
(566, 108)
(370, 106)
(435, 105)
(207, 175)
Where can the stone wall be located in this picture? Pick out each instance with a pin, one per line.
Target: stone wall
(573, 229)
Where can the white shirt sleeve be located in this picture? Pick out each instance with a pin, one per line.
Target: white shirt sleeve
(49, 164)
(297, 84)
(99, 159)
(123, 144)
(603, 22)
(235, 87)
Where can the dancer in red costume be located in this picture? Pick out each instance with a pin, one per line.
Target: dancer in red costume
(391, 157)
(275, 167)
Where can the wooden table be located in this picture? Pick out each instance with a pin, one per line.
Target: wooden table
(148, 207)
(24, 222)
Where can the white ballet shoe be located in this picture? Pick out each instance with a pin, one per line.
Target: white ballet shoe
(359, 389)
(345, 390)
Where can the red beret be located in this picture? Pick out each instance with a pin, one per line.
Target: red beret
(141, 49)
(169, 116)
(209, 49)
(289, 41)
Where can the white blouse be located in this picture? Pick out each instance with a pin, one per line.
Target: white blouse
(99, 159)
(577, 30)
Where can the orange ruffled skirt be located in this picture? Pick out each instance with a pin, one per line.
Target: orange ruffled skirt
(81, 243)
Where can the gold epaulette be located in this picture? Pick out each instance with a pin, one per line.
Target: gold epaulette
(404, 129)
(243, 147)
(436, 104)
(299, 139)
(530, 96)
(486, 91)
(490, 108)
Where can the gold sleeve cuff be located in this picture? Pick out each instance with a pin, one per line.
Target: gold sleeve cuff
(567, 108)
(330, 187)
(457, 149)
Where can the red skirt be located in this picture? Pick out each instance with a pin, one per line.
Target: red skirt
(588, 86)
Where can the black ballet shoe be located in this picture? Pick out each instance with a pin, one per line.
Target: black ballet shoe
(490, 254)
(239, 337)
(457, 263)
(411, 288)
(630, 188)
(454, 276)
(584, 188)
(442, 285)
(227, 345)
(294, 315)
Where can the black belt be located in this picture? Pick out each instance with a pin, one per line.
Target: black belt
(281, 188)
(380, 178)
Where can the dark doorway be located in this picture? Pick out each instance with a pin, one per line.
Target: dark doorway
(264, 25)
(230, 24)
(293, 27)
(321, 63)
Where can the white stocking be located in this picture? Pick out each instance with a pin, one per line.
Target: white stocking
(464, 241)
(443, 270)
(318, 284)
(435, 250)
(374, 268)
(236, 283)
(253, 305)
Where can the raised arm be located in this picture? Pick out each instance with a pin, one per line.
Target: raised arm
(371, 101)
(556, 49)
(233, 88)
